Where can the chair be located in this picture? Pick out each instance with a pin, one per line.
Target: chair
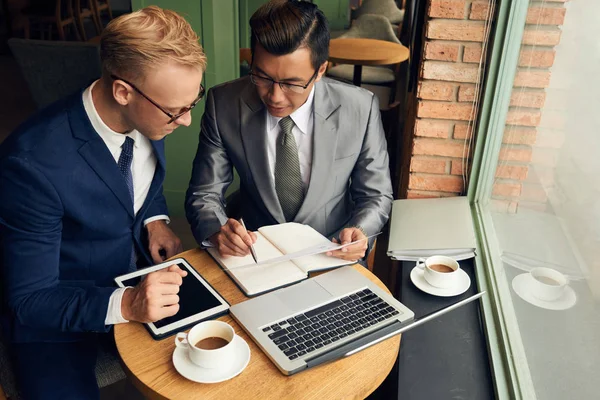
(54, 70)
(16, 21)
(85, 9)
(369, 27)
(385, 8)
(245, 61)
(46, 14)
(100, 6)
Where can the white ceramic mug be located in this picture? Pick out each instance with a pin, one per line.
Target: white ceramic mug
(547, 284)
(440, 280)
(213, 358)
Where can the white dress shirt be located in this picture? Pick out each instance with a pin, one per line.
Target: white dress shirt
(303, 130)
(143, 167)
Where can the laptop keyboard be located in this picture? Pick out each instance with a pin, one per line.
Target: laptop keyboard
(306, 332)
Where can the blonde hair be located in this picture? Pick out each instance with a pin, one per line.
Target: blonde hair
(141, 40)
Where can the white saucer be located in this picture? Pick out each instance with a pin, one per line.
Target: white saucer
(195, 373)
(521, 286)
(464, 282)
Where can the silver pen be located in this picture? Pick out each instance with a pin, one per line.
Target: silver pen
(251, 246)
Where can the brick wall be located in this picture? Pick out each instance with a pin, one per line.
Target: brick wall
(446, 91)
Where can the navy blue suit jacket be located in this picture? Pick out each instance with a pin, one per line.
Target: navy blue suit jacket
(66, 225)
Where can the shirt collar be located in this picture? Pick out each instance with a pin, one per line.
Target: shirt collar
(109, 136)
(301, 116)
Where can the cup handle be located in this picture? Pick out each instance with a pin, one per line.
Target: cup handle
(183, 343)
(421, 263)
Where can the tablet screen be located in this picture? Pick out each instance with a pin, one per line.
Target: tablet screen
(194, 298)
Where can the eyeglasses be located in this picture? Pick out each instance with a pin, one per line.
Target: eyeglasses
(172, 117)
(262, 81)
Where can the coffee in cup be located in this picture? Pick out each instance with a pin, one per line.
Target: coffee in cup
(547, 284)
(440, 271)
(209, 344)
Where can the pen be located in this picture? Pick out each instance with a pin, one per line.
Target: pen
(251, 246)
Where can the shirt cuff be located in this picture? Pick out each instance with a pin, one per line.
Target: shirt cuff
(207, 243)
(157, 218)
(113, 315)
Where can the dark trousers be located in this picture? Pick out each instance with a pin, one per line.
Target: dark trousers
(62, 371)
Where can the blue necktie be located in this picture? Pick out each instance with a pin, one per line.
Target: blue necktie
(124, 163)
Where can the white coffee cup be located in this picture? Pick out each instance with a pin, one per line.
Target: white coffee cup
(208, 358)
(438, 278)
(547, 284)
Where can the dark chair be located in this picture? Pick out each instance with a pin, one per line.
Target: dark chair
(85, 9)
(100, 7)
(54, 70)
(46, 14)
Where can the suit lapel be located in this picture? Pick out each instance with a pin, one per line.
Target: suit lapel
(96, 154)
(325, 136)
(254, 138)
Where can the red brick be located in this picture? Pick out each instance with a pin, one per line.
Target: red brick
(514, 172)
(466, 93)
(527, 98)
(546, 16)
(472, 53)
(462, 131)
(441, 51)
(515, 153)
(446, 71)
(524, 117)
(429, 165)
(506, 206)
(539, 37)
(506, 189)
(438, 147)
(422, 194)
(433, 90)
(447, 9)
(533, 192)
(457, 167)
(433, 129)
(479, 10)
(445, 110)
(469, 31)
(519, 135)
(536, 58)
(441, 183)
(534, 79)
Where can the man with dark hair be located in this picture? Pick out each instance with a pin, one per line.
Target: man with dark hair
(307, 149)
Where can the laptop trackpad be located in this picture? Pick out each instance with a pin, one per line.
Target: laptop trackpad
(301, 296)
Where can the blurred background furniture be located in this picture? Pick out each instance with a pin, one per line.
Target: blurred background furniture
(245, 61)
(54, 70)
(85, 9)
(384, 8)
(47, 16)
(99, 7)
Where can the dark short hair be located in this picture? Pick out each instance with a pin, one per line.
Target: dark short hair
(282, 26)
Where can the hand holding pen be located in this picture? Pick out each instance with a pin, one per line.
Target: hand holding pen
(233, 239)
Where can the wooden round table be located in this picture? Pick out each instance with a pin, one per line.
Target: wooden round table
(149, 363)
(359, 52)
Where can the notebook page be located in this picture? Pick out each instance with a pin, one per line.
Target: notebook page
(262, 278)
(292, 237)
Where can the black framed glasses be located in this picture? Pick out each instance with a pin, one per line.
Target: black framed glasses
(172, 117)
(262, 81)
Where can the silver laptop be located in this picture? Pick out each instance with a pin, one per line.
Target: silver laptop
(324, 318)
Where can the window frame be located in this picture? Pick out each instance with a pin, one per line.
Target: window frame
(508, 359)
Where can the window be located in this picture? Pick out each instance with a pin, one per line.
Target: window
(536, 196)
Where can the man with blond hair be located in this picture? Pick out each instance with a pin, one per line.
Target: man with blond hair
(81, 203)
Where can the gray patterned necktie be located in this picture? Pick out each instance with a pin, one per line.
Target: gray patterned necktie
(288, 181)
(124, 164)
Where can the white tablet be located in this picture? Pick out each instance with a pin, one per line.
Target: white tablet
(197, 299)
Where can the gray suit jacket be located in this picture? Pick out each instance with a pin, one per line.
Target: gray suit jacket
(350, 181)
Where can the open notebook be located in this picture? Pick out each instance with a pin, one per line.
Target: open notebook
(275, 241)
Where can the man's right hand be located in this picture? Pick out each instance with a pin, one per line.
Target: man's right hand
(155, 297)
(233, 239)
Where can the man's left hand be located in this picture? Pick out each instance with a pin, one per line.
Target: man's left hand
(353, 252)
(161, 237)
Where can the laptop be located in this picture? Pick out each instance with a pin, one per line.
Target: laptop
(325, 318)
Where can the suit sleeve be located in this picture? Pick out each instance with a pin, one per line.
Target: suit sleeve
(371, 186)
(212, 173)
(30, 232)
